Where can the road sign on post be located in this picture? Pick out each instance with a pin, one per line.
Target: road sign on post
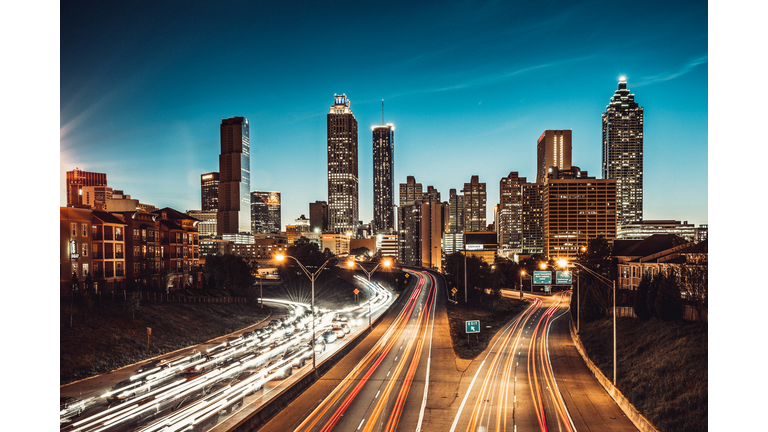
(472, 326)
(542, 277)
(563, 277)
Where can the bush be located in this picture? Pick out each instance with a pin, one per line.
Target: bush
(641, 299)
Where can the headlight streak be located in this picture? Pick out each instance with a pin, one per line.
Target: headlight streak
(379, 349)
(157, 400)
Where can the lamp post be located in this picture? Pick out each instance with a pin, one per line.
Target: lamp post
(522, 273)
(312, 277)
(387, 263)
(612, 284)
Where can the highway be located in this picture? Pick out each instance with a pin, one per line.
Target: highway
(196, 388)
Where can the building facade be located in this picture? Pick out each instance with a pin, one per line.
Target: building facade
(453, 239)
(410, 191)
(474, 205)
(644, 229)
(77, 179)
(266, 212)
(343, 180)
(209, 191)
(577, 208)
(532, 238)
(510, 212)
(318, 216)
(234, 212)
(383, 178)
(623, 153)
(553, 149)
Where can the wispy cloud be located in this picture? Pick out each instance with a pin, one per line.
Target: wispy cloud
(670, 75)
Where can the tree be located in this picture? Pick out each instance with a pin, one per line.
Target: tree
(133, 303)
(695, 281)
(641, 299)
(360, 252)
(669, 303)
(229, 272)
(592, 303)
(653, 291)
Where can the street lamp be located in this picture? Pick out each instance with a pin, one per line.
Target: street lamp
(522, 273)
(312, 277)
(612, 284)
(386, 263)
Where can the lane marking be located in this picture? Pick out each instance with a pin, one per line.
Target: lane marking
(361, 424)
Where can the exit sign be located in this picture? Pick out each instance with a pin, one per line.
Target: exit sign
(472, 326)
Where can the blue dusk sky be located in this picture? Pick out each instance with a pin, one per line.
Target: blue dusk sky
(470, 86)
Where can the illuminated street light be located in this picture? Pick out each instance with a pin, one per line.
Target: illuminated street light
(387, 262)
(312, 277)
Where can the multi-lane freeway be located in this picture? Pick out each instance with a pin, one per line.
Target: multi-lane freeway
(402, 376)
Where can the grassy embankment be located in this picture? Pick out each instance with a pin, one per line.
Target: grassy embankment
(488, 314)
(108, 337)
(661, 368)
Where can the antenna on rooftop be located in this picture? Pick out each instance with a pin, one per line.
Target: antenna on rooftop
(382, 111)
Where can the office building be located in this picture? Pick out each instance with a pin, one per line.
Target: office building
(318, 216)
(410, 191)
(234, 214)
(76, 180)
(383, 178)
(474, 205)
(644, 229)
(207, 226)
(576, 208)
(421, 234)
(209, 191)
(623, 153)
(553, 149)
(510, 211)
(266, 213)
(343, 183)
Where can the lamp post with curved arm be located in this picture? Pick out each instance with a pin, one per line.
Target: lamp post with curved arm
(312, 277)
(386, 263)
(612, 284)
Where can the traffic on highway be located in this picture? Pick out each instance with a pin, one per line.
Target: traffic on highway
(197, 390)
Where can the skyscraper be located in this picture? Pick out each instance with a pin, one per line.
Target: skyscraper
(474, 205)
(234, 215)
(383, 177)
(623, 153)
(553, 149)
(318, 216)
(510, 227)
(343, 210)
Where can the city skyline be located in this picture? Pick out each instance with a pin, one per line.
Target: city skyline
(472, 99)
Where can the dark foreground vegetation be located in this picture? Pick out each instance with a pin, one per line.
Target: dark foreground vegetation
(106, 335)
(661, 368)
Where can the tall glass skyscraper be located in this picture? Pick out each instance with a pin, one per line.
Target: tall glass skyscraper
(383, 177)
(234, 215)
(266, 215)
(623, 153)
(343, 197)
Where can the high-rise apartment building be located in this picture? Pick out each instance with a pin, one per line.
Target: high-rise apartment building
(383, 178)
(410, 191)
(474, 205)
(76, 180)
(266, 213)
(343, 197)
(234, 215)
(209, 191)
(453, 239)
(577, 208)
(623, 153)
(553, 149)
(510, 212)
(532, 238)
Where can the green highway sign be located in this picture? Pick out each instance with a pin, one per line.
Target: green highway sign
(564, 277)
(472, 326)
(542, 277)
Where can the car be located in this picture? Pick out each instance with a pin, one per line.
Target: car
(70, 407)
(124, 390)
(339, 331)
(329, 336)
(149, 365)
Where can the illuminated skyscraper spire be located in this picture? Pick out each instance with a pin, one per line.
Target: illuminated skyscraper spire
(343, 196)
(623, 153)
